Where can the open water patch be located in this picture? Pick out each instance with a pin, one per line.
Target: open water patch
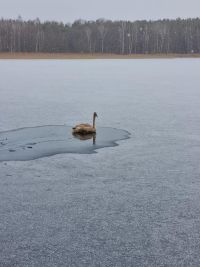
(44, 141)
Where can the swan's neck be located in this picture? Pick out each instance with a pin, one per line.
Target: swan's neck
(94, 121)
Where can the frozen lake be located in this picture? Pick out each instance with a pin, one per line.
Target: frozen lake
(136, 204)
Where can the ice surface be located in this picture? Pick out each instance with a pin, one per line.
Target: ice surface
(136, 204)
(37, 142)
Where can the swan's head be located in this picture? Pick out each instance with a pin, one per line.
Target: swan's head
(95, 114)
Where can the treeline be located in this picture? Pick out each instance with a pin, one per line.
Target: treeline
(101, 36)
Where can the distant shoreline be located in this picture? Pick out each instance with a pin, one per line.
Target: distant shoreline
(66, 56)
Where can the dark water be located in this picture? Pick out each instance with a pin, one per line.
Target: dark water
(43, 141)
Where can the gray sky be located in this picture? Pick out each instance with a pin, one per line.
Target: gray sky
(69, 10)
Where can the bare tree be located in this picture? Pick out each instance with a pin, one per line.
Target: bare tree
(134, 35)
(88, 32)
(122, 29)
(103, 31)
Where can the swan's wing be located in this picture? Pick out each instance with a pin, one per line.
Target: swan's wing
(82, 125)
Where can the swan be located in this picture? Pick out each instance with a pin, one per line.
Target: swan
(85, 128)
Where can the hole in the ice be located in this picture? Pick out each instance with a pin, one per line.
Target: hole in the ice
(44, 141)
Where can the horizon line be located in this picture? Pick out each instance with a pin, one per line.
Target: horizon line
(19, 17)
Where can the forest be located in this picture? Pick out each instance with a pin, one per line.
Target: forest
(101, 36)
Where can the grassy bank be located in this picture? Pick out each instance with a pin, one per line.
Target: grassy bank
(90, 56)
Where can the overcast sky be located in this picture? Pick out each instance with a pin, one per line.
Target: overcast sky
(70, 10)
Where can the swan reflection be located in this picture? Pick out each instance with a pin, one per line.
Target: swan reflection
(84, 137)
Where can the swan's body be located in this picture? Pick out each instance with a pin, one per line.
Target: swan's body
(85, 128)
